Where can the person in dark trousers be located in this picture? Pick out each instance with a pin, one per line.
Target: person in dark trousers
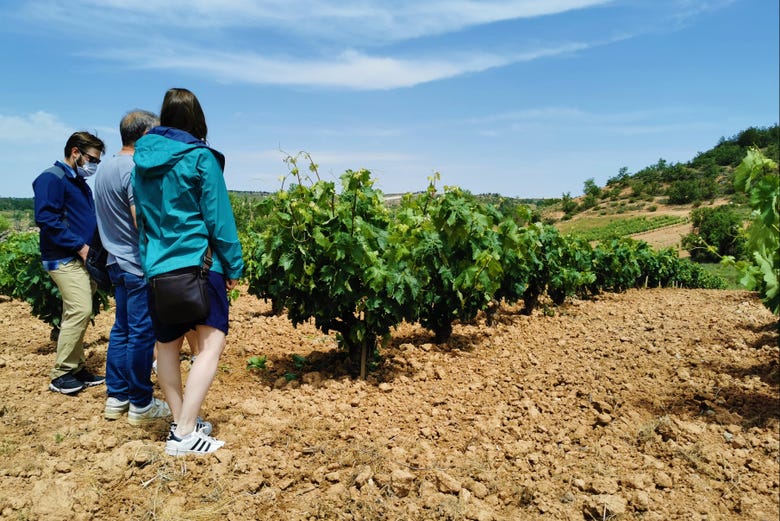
(131, 343)
(183, 210)
(65, 215)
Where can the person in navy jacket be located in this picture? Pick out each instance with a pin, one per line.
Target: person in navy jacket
(65, 215)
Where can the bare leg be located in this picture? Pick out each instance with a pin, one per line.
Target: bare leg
(169, 374)
(211, 342)
(192, 341)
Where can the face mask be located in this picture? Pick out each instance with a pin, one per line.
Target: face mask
(88, 169)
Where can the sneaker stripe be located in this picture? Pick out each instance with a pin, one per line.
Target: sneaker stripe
(194, 443)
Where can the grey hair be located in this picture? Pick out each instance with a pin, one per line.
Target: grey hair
(135, 124)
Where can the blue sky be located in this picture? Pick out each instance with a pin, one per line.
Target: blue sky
(525, 98)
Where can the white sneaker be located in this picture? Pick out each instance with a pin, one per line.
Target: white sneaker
(200, 425)
(155, 410)
(193, 443)
(115, 408)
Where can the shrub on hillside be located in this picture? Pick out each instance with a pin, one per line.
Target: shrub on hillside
(717, 232)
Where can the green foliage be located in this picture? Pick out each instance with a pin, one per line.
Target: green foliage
(691, 190)
(705, 177)
(22, 277)
(615, 265)
(568, 205)
(16, 221)
(727, 153)
(246, 208)
(519, 258)
(625, 263)
(17, 203)
(449, 246)
(345, 261)
(683, 192)
(256, 363)
(318, 254)
(619, 180)
(596, 230)
(758, 176)
(299, 361)
(591, 188)
(727, 272)
(569, 262)
(716, 232)
(708, 176)
(589, 201)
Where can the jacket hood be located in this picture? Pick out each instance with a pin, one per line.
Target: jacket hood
(162, 147)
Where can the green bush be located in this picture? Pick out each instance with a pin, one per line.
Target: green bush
(717, 232)
(22, 277)
(684, 192)
(318, 253)
(5, 224)
(449, 244)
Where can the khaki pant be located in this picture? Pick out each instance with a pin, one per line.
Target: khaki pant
(76, 288)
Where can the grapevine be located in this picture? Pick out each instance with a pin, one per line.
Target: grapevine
(758, 176)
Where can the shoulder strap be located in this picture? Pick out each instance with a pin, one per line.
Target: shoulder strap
(207, 262)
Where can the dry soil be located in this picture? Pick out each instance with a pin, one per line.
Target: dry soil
(653, 404)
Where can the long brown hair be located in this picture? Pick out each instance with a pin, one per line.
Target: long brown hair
(182, 110)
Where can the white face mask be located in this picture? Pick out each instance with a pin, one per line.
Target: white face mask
(88, 169)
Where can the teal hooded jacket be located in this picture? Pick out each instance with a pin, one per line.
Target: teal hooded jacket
(182, 205)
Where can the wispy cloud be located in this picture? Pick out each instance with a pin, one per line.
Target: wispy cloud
(352, 69)
(563, 114)
(352, 44)
(337, 20)
(560, 119)
(38, 127)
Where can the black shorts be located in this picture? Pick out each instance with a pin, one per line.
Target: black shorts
(218, 312)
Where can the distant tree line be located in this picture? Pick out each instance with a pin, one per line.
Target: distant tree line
(16, 203)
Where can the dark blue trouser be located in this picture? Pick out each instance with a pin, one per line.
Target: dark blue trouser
(131, 343)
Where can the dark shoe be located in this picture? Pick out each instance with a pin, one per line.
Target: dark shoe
(88, 379)
(66, 384)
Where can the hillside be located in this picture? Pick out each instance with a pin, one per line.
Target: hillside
(666, 224)
(706, 179)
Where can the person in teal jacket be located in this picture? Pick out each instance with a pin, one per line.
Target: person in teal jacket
(183, 208)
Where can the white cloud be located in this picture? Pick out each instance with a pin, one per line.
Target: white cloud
(38, 127)
(336, 20)
(352, 69)
(331, 43)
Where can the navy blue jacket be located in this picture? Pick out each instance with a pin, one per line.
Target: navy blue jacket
(64, 212)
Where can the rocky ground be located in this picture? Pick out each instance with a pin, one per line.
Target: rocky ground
(647, 405)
